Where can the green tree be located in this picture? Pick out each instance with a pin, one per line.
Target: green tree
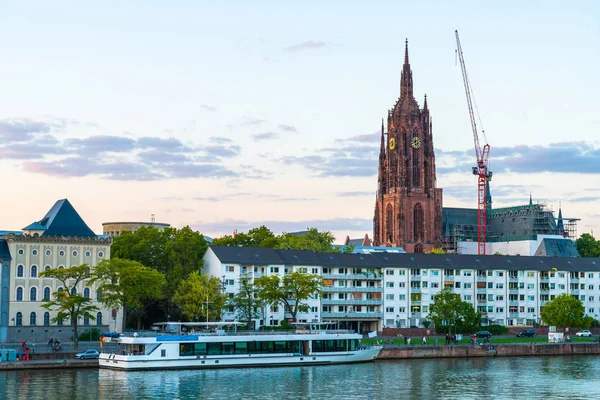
(200, 297)
(448, 310)
(320, 242)
(174, 252)
(66, 301)
(129, 285)
(291, 291)
(246, 303)
(588, 246)
(565, 311)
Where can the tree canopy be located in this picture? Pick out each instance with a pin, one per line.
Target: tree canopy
(312, 239)
(66, 301)
(291, 291)
(128, 284)
(588, 246)
(176, 253)
(448, 310)
(200, 297)
(566, 311)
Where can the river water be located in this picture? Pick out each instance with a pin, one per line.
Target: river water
(488, 378)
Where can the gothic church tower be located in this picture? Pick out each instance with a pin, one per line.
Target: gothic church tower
(408, 209)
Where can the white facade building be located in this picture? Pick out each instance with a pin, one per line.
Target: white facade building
(370, 292)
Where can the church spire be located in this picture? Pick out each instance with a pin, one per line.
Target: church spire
(530, 199)
(561, 226)
(382, 149)
(425, 102)
(406, 82)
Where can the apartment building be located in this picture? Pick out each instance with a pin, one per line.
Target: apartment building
(370, 291)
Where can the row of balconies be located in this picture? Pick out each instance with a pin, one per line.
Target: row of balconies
(352, 315)
(371, 302)
(344, 289)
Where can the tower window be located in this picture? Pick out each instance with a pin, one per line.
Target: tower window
(389, 222)
(418, 222)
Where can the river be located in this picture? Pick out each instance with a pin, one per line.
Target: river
(488, 378)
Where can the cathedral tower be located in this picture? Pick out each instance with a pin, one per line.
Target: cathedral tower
(408, 208)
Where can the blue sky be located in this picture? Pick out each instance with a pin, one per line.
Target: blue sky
(226, 115)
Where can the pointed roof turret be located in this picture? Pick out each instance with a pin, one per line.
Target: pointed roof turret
(530, 199)
(406, 77)
(561, 226)
(425, 102)
(61, 220)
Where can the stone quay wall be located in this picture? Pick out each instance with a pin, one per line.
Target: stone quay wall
(394, 352)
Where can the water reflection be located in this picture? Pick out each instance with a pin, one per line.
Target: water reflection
(481, 378)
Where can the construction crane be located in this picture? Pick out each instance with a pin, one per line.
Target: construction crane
(482, 154)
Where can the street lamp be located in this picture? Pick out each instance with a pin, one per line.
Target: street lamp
(534, 320)
(14, 328)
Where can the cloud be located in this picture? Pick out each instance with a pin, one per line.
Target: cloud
(101, 143)
(355, 194)
(224, 151)
(564, 157)
(265, 136)
(161, 157)
(219, 140)
(374, 137)
(308, 45)
(252, 121)
(287, 128)
(22, 130)
(334, 224)
(30, 151)
(170, 144)
(208, 108)
(584, 199)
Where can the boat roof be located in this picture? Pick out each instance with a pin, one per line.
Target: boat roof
(198, 323)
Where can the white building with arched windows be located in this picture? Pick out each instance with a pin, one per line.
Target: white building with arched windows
(59, 240)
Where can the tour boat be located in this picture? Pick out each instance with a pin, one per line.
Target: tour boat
(182, 345)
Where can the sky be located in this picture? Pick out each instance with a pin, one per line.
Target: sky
(228, 115)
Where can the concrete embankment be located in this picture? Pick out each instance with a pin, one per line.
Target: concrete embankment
(492, 350)
(49, 361)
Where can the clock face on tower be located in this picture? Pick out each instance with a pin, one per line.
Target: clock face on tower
(392, 143)
(416, 142)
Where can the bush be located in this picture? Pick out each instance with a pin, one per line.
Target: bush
(85, 336)
(495, 330)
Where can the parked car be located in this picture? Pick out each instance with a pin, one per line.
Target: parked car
(88, 354)
(584, 333)
(527, 333)
(484, 334)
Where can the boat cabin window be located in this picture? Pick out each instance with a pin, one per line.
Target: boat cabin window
(230, 348)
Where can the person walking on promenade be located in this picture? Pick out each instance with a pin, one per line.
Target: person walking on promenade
(424, 340)
(405, 340)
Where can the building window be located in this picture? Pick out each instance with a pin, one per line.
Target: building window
(46, 318)
(48, 252)
(389, 284)
(19, 271)
(75, 253)
(21, 252)
(389, 297)
(34, 271)
(86, 321)
(230, 268)
(419, 223)
(32, 318)
(19, 321)
(389, 272)
(389, 309)
(98, 295)
(33, 294)
(60, 267)
(46, 268)
(73, 291)
(86, 293)
(274, 270)
(99, 319)
(88, 254)
(61, 253)
(100, 254)
(389, 223)
(34, 252)
(47, 293)
(19, 294)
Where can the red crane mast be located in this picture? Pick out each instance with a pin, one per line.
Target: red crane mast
(482, 154)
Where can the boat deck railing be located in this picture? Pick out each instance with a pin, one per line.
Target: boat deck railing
(143, 334)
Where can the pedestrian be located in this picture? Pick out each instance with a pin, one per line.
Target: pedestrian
(405, 340)
(447, 338)
(409, 341)
(424, 340)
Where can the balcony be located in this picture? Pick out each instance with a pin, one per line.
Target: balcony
(415, 278)
(449, 278)
(481, 290)
(356, 277)
(371, 302)
(345, 289)
(481, 278)
(352, 315)
(415, 289)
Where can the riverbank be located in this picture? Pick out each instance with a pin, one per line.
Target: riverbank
(395, 352)
(48, 364)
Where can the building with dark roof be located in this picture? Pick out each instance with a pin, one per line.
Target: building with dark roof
(369, 291)
(61, 239)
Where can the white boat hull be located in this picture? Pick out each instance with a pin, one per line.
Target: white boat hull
(140, 362)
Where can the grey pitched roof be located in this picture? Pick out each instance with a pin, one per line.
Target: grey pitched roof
(62, 220)
(4, 252)
(557, 248)
(266, 256)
